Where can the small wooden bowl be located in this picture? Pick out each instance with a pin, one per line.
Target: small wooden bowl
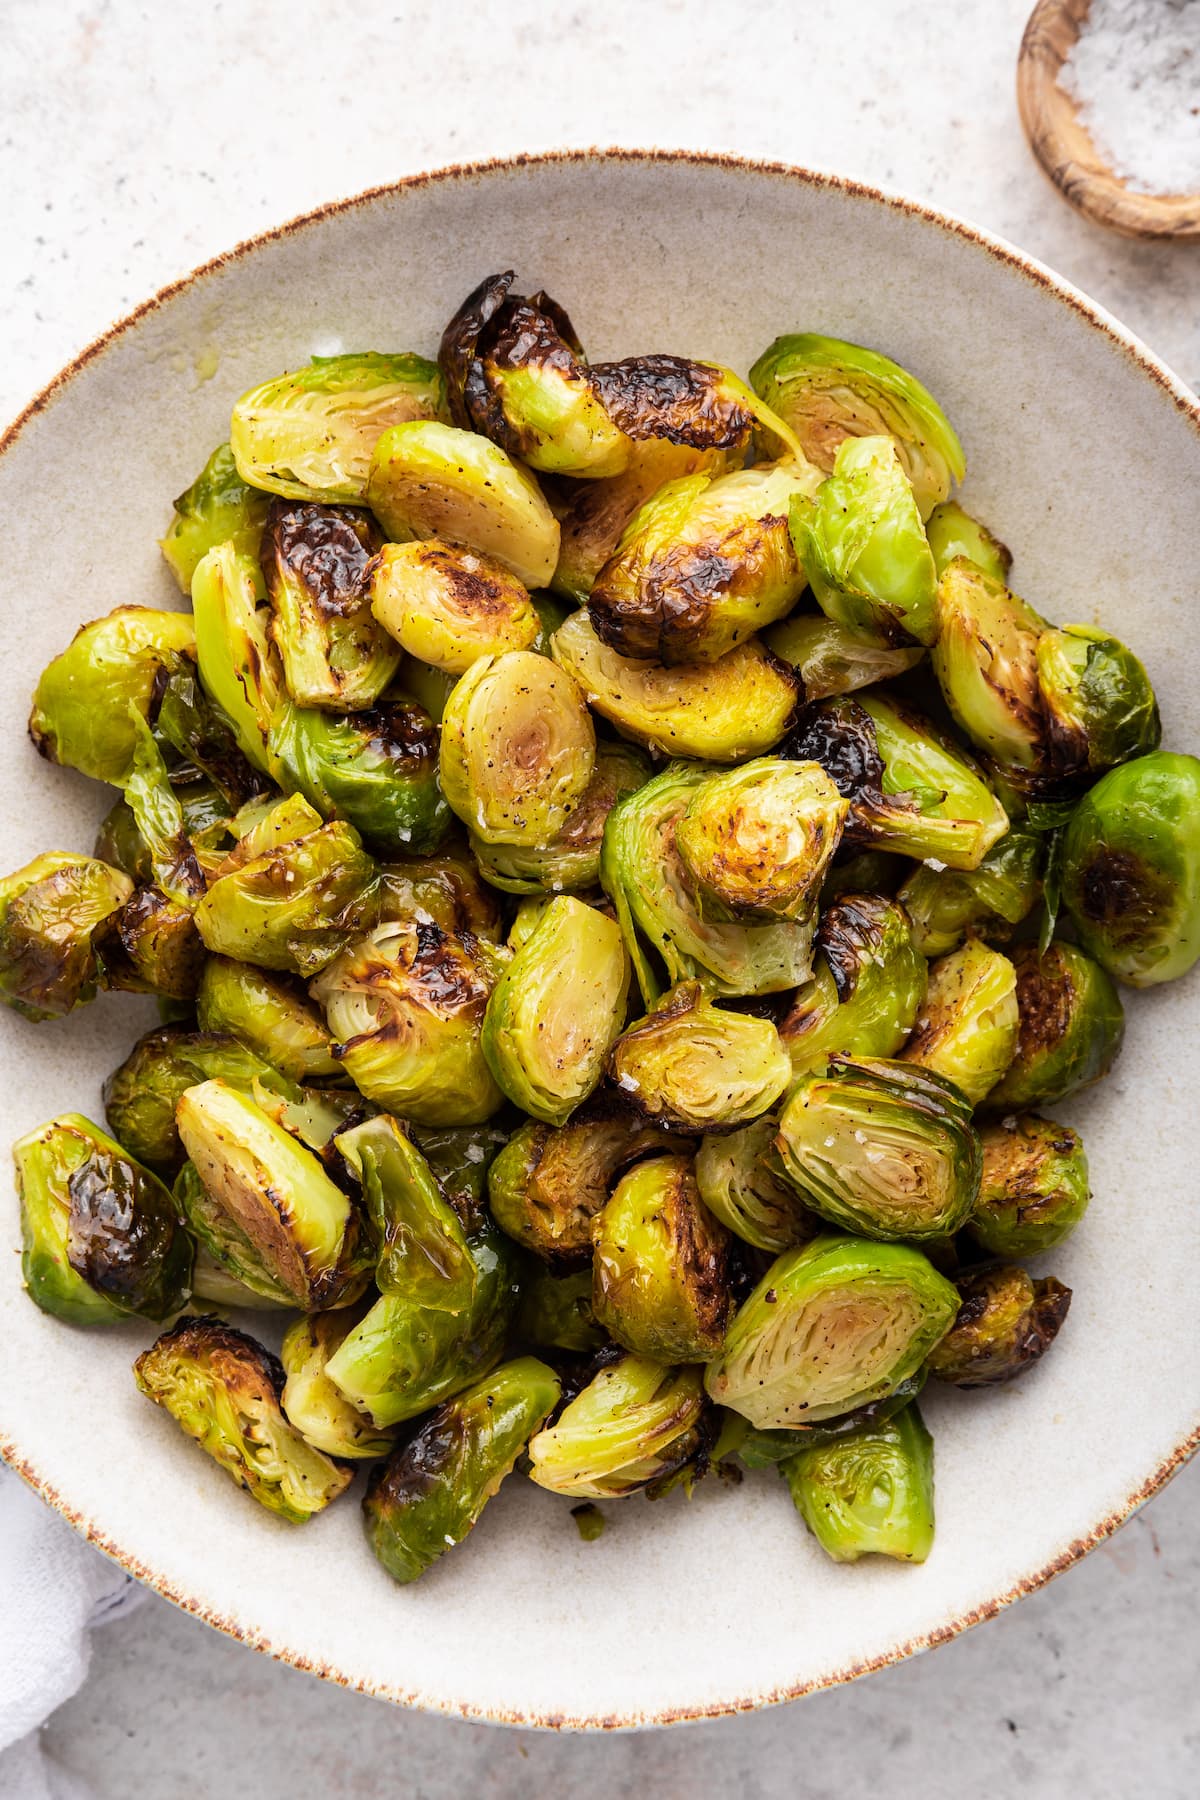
(1063, 146)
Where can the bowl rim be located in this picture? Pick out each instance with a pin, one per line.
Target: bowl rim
(1093, 314)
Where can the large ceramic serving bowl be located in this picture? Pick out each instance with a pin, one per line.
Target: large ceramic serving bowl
(1084, 455)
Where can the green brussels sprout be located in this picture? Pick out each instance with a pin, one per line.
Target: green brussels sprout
(188, 723)
(877, 873)
(863, 547)
(827, 391)
(1034, 1189)
(239, 665)
(1005, 1322)
(334, 651)
(556, 1311)
(883, 1149)
(407, 1003)
(911, 790)
(557, 1010)
(218, 508)
(212, 1282)
(831, 659)
(635, 1423)
(309, 435)
(377, 770)
(269, 1209)
(528, 916)
(866, 988)
(518, 748)
(767, 1449)
(571, 860)
(739, 706)
(430, 1493)
(695, 1066)
(986, 664)
(968, 1026)
(429, 687)
(1071, 1027)
(738, 1177)
(660, 1274)
(422, 1247)
(224, 1246)
(430, 480)
(269, 1017)
(206, 815)
(141, 1095)
(224, 1389)
(953, 533)
(319, 1411)
(443, 890)
(87, 700)
(947, 906)
(759, 839)
(152, 946)
(830, 1327)
(701, 566)
(547, 1185)
(869, 1493)
(1131, 869)
(51, 915)
(1099, 706)
(448, 607)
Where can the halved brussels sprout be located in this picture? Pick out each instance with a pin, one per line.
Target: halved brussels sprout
(883, 1149)
(1131, 869)
(863, 547)
(101, 1238)
(430, 1493)
(377, 770)
(152, 946)
(866, 988)
(967, 1029)
(141, 1095)
(831, 659)
(739, 706)
(635, 1423)
(518, 748)
(422, 1247)
(315, 559)
(407, 1003)
(309, 435)
(272, 1019)
(830, 1327)
(556, 1311)
(827, 390)
(953, 533)
(695, 1066)
(50, 914)
(698, 403)
(571, 859)
(1005, 1322)
(435, 481)
(1034, 1189)
(557, 1010)
(87, 701)
(223, 1388)
(441, 890)
(660, 1274)
(1071, 1028)
(986, 663)
(320, 1411)
(948, 905)
(239, 665)
(702, 565)
(869, 1493)
(1099, 706)
(217, 508)
(740, 1183)
(448, 607)
(759, 839)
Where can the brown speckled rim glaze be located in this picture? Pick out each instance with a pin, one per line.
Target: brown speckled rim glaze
(1132, 349)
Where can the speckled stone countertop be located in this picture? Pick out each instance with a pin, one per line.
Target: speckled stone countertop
(138, 140)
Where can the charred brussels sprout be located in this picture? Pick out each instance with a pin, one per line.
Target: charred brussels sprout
(1131, 869)
(407, 1004)
(883, 1149)
(698, 1067)
(422, 1247)
(866, 989)
(740, 1183)
(1005, 1322)
(660, 1282)
(449, 607)
(315, 560)
(864, 548)
(223, 1388)
(967, 1030)
(698, 403)
(272, 1019)
(830, 1327)
(1035, 1186)
(51, 913)
(1099, 705)
(218, 508)
(759, 839)
(831, 659)
(570, 861)
(140, 1097)
(869, 1493)
(443, 890)
(430, 1493)
(557, 1009)
(151, 947)
(319, 1411)
(948, 905)
(518, 748)
(377, 770)
(310, 435)
(635, 1423)
(953, 533)
(88, 700)
(1071, 1027)
(986, 664)
(556, 1311)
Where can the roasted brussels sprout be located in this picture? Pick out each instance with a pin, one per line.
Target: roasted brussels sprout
(51, 914)
(948, 905)
(570, 861)
(239, 665)
(866, 988)
(556, 1311)
(739, 1180)
(518, 748)
(1034, 1189)
(459, 1157)
(206, 815)
(696, 1066)
(869, 1493)
(272, 1019)
(309, 435)
(759, 839)
(1005, 1322)
(1131, 869)
(224, 1247)
(967, 1029)
(223, 1388)
(448, 607)
(430, 1493)
(377, 770)
(767, 1449)
(697, 403)
(660, 1282)
(1099, 706)
(953, 533)
(140, 1096)
(407, 1003)
(319, 1411)
(218, 508)
(830, 1327)
(315, 559)
(883, 1149)
(831, 659)
(443, 890)
(152, 947)
(827, 390)
(635, 1423)
(422, 1247)
(557, 1010)
(1071, 1027)
(985, 660)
